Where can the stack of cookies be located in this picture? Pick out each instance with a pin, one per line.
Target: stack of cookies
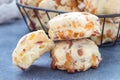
(73, 51)
(97, 7)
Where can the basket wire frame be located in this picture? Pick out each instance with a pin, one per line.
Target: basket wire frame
(25, 15)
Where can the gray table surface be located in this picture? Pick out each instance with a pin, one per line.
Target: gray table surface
(10, 33)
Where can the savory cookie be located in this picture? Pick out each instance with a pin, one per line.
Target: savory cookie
(75, 55)
(109, 33)
(74, 25)
(103, 6)
(30, 48)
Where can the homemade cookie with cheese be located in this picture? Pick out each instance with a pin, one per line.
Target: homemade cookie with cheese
(75, 55)
(74, 25)
(30, 48)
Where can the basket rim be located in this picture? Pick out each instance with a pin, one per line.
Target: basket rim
(58, 11)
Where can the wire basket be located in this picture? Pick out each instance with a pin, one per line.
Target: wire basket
(23, 9)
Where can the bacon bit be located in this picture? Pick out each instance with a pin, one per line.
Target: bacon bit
(39, 42)
(108, 33)
(81, 34)
(89, 25)
(74, 24)
(70, 44)
(76, 34)
(53, 64)
(94, 60)
(24, 50)
(31, 36)
(80, 52)
(58, 2)
(82, 68)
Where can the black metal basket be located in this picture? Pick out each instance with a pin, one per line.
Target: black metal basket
(23, 8)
